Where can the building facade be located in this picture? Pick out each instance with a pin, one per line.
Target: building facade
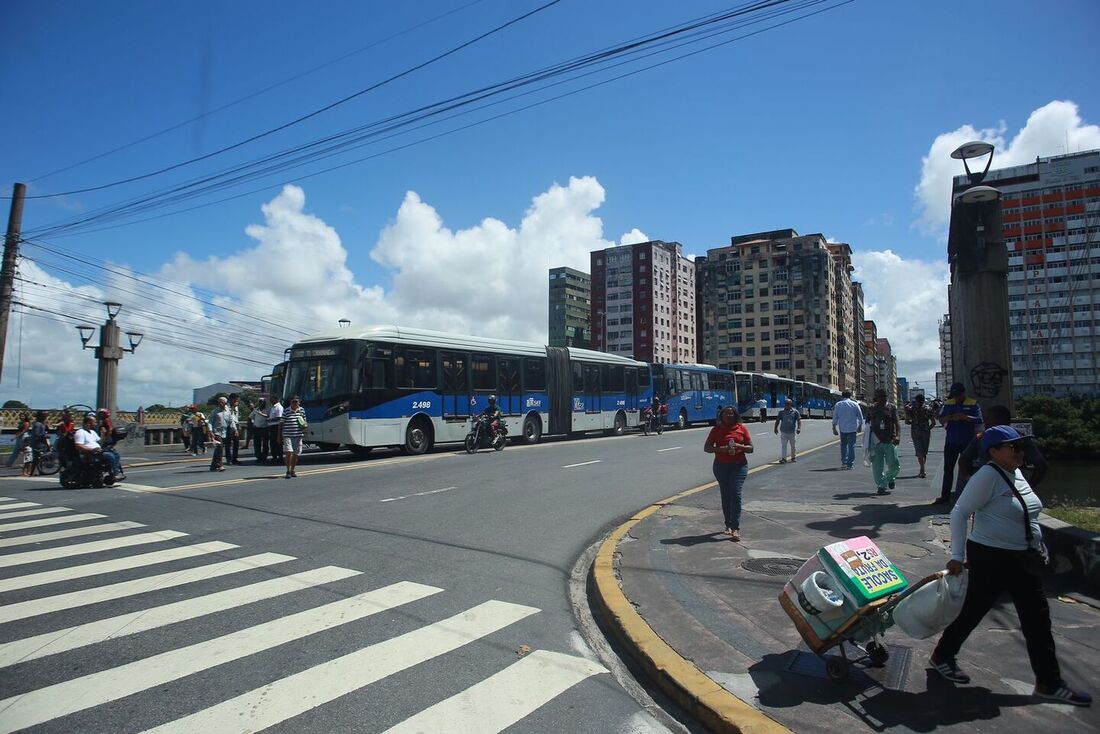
(643, 302)
(1051, 219)
(887, 365)
(767, 303)
(842, 305)
(859, 342)
(871, 359)
(570, 308)
(946, 375)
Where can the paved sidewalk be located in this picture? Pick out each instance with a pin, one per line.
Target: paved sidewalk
(714, 602)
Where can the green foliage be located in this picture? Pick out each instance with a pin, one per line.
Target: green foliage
(1063, 427)
(158, 408)
(16, 405)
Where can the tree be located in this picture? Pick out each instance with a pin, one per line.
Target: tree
(1063, 427)
(16, 405)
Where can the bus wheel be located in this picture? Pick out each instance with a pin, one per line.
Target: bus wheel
(359, 452)
(620, 424)
(418, 437)
(532, 429)
(682, 421)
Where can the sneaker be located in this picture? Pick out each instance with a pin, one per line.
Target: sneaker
(949, 670)
(882, 490)
(782, 461)
(735, 536)
(1063, 694)
(891, 484)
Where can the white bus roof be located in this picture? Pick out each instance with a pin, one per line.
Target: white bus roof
(443, 340)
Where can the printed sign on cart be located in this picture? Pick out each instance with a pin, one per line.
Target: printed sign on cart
(868, 573)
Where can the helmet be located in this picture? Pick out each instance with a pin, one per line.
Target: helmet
(492, 398)
(105, 412)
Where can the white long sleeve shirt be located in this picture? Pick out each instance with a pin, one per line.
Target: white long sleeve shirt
(998, 515)
(847, 416)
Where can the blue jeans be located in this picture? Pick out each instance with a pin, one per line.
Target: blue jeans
(731, 478)
(15, 449)
(116, 461)
(847, 449)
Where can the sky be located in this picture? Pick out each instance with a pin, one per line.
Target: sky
(840, 122)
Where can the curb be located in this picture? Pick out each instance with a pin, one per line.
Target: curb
(694, 691)
(1075, 547)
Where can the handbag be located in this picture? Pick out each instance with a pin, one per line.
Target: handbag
(301, 421)
(1037, 558)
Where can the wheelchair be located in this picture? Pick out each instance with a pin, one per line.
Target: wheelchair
(80, 471)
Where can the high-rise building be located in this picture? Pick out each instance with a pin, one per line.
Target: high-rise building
(871, 359)
(947, 369)
(859, 341)
(903, 390)
(768, 304)
(1051, 215)
(842, 304)
(643, 302)
(570, 308)
(887, 365)
(941, 385)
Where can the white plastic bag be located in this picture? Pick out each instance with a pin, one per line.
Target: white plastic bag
(931, 608)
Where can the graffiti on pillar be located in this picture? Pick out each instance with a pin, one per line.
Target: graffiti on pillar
(986, 379)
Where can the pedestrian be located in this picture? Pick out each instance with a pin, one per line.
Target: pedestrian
(971, 459)
(106, 428)
(920, 419)
(1002, 556)
(258, 417)
(22, 434)
(293, 430)
(274, 429)
(66, 426)
(233, 430)
(848, 420)
(220, 419)
(730, 441)
(40, 437)
(787, 424)
(197, 422)
(882, 441)
(962, 419)
(762, 407)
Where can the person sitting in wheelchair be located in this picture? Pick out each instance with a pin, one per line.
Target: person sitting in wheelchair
(87, 444)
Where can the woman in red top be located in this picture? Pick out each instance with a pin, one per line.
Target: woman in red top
(729, 441)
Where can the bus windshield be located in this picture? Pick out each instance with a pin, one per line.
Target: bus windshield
(315, 380)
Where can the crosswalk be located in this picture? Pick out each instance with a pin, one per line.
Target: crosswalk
(37, 603)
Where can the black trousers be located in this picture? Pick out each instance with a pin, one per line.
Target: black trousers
(275, 441)
(993, 571)
(951, 454)
(259, 442)
(232, 445)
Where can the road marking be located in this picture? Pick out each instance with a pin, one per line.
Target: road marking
(504, 698)
(18, 506)
(288, 697)
(122, 589)
(583, 463)
(27, 524)
(80, 549)
(107, 527)
(91, 633)
(34, 513)
(7, 499)
(670, 448)
(418, 494)
(43, 704)
(117, 564)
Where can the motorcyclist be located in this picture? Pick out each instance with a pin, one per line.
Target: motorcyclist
(493, 413)
(655, 411)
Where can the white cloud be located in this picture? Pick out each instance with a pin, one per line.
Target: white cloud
(905, 298)
(1047, 132)
(487, 279)
(634, 237)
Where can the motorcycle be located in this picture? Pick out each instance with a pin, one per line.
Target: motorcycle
(481, 434)
(654, 421)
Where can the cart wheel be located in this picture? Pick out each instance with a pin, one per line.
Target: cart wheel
(877, 653)
(836, 668)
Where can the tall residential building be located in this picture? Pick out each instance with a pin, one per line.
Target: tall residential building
(859, 341)
(887, 365)
(947, 369)
(941, 385)
(767, 303)
(643, 302)
(570, 308)
(903, 390)
(871, 358)
(1051, 212)
(842, 305)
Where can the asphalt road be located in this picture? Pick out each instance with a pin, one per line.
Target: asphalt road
(415, 593)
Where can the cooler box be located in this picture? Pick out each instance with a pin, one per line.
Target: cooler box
(835, 587)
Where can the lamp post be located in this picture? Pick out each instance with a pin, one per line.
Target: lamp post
(109, 352)
(978, 298)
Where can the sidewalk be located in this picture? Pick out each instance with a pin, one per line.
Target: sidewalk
(714, 604)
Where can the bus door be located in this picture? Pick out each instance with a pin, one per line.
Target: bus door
(510, 398)
(592, 389)
(697, 397)
(455, 385)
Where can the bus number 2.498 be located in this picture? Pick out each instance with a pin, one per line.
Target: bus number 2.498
(422, 404)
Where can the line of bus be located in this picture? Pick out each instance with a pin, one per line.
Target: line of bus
(811, 399)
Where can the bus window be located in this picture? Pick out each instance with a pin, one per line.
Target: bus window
(483, 369)
(508, 374)
(372, 374)
(685, 380)
(705, 380)
(617, 382)
(534, 374)
(578, 378)
(672, 382)
(414, 368)
(643, 379)
(630, 381)
(456, 388)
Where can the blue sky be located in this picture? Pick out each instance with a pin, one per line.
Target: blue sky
(820, 125)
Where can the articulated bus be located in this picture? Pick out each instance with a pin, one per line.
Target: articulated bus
(694, 393)
(412, 388)
(813, 400)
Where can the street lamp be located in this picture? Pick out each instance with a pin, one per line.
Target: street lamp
(344, 323)
(970, 151)
(109, 352)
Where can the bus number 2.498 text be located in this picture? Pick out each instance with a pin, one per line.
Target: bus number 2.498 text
(422, 404)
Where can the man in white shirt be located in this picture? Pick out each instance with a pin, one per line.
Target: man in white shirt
(87, 437)
(275, 439)
(848, 418)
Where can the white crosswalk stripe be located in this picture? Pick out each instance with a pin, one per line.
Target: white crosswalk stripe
(108, 527)
(499, 700)
(17, 506)
(33, 513)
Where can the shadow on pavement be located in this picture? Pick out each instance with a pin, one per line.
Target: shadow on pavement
(869, 519)
(689, 540)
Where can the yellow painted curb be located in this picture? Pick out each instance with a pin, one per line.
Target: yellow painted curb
(697, 693)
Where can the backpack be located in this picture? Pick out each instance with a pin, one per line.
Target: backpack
(882, 423)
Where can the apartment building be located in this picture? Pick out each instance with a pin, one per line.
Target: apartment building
(768, 304)
(570, 308)
(946, 375)
(887, 367)
(1051, 215)
(846, 351)
(859, 341)
(643, 302)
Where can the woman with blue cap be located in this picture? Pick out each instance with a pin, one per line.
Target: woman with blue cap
(1004, 552)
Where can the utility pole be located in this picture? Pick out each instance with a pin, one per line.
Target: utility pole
(108, 353)
(7, 272)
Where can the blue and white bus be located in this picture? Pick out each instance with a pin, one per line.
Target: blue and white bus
(694, 393)
(775, 390)
(413, 388)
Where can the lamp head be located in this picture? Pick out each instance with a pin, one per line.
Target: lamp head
(135, 338)
(971, 150)
(113, 307)
(979, 195)
(85, 333)
(344, 323)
